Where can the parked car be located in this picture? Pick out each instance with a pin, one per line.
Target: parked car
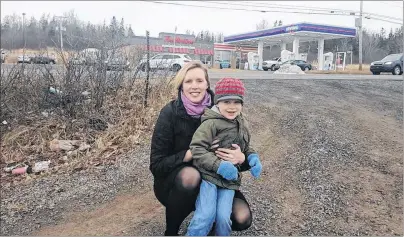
(391, 63)
(270, 64)
(77, 61)
(42, 60)
(166, 61)
(117, 63)
(305, 66)
(3, 55)
(24, 59)
(223, 63)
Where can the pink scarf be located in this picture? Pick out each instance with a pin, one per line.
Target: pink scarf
(196, 109)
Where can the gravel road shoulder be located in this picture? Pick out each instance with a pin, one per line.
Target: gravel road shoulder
(332, 156)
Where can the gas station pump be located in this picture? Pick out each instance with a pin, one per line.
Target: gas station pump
(340, 60)
(253, 60)
(328, 59)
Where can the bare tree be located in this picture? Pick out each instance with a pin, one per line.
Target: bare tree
(344, 44)
(262, 25)
(370, 43)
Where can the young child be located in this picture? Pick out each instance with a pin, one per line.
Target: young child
(220, 178)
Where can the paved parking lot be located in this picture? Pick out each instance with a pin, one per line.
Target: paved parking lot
(216, 74)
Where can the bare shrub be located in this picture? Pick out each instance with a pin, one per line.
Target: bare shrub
(84, 97)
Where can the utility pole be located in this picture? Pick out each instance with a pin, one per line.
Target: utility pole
(147, 67)
(61, 31)
(175, 34)
(61, 36)
(360, 35)
(23, 38)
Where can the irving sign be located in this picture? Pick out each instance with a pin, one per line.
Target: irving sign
(178, 40)
(291, 28)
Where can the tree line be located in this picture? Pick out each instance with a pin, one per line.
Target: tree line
(78, 34)
(45, 32)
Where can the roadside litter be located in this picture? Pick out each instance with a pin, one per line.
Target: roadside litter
(17, 168)
(65, 145)
(41, 166)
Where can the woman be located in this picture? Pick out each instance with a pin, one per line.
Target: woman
(176, 181)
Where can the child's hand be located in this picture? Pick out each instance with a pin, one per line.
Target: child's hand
(227, 170)
(215, 144)
(255, 164)
(188, 156)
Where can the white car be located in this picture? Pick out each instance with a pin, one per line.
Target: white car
(271, 64)
(3, 55)
(24, 59)
(166, 61)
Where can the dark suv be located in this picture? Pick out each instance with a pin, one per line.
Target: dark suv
(42, 60)
(305, 66)
(391, 63)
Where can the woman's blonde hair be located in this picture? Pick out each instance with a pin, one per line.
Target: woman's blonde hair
(179, 78)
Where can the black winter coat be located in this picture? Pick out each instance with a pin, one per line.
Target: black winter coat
(171, 138)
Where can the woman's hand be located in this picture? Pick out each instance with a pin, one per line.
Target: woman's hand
(233, 156)
(188, 156)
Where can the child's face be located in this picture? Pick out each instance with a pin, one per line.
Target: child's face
(230, 109)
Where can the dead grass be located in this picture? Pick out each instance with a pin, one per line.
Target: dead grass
(349, 69)
(135, 121)
(131, 125)
(27, 143)
(355, 72)
(356, 67)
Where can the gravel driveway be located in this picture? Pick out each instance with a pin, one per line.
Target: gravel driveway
(332, 156)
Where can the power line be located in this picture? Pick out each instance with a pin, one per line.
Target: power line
(380, 19)
(391, 4)
(333, 10)
(295, 7)
(250, 10)
(320, 9)
(265, 11)
(382, 16)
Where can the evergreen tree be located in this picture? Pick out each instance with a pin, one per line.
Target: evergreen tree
(113, 27)
(122, 28)
(130, 32)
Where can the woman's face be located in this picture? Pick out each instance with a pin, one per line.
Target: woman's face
(195, 85)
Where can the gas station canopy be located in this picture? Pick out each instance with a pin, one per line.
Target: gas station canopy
(296, 33)
(286, 34)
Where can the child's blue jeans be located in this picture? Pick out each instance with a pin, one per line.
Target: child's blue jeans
(214, 204)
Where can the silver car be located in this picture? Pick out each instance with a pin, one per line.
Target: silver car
(24, 59)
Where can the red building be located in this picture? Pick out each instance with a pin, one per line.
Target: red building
(176, 43)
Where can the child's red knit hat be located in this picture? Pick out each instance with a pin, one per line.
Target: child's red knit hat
(229, 89)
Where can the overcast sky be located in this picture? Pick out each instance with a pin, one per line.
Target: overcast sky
(163, 18)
